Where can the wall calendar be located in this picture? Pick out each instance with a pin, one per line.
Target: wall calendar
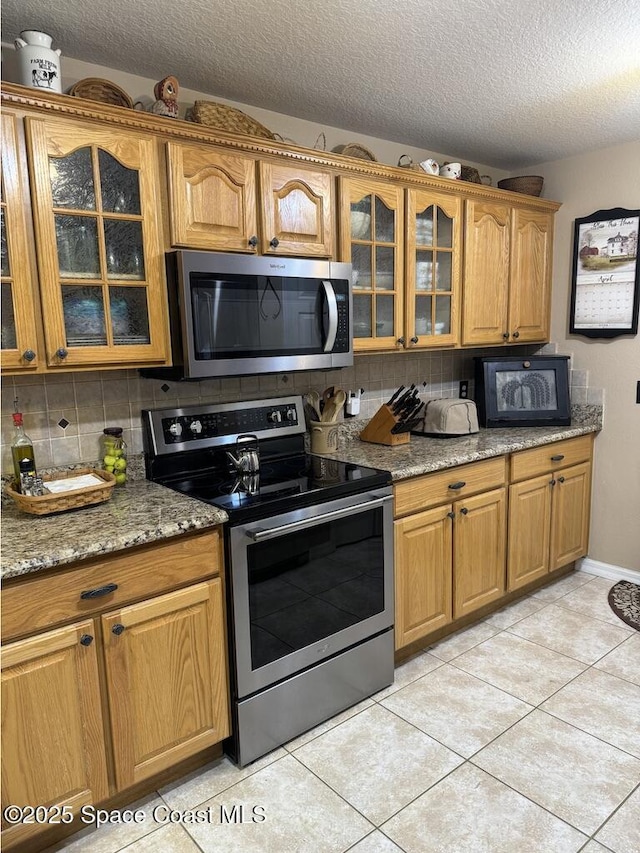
(605, 288)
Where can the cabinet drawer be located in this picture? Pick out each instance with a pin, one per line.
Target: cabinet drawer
(40, 600)
(540, 460)
(461, 481)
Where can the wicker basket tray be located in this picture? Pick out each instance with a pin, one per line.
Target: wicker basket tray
(527, 184)
(95, 89)
(224, 117)
(48, 504)
(354, 149)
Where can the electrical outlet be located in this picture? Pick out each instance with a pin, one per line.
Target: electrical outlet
(463, 392)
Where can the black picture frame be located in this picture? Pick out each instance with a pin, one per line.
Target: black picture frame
(605, 288)
(512, 391)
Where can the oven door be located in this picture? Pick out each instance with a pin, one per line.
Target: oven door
(308, 584)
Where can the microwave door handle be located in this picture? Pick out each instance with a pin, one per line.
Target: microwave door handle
(332, 303)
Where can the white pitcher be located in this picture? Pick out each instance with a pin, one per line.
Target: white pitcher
(39, 65)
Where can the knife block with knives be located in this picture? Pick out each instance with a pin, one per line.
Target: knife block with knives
(394, 420)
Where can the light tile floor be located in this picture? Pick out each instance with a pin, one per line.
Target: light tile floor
(519, 735)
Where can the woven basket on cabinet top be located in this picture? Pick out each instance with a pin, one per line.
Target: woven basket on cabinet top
(527, 184)
(354, 149)
(95, 89)
(228, 118)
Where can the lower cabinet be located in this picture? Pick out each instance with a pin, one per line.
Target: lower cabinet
(548, 513)
(450, 559)
(465, 537)
(94, 707)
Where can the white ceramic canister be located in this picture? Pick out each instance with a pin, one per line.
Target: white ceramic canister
(39, 65)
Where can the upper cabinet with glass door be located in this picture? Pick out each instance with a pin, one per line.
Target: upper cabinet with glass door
(434, 231)
(101, 265)
(17, 320)
(371, 230)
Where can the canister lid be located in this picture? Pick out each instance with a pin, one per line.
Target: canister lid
(116, 432)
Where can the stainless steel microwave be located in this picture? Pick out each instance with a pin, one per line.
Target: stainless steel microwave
(237, 315)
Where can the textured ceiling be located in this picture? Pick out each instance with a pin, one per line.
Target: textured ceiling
(509, 83)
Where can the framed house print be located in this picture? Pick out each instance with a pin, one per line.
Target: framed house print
(605, 290)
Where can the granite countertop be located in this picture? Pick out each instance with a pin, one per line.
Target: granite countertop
(138, 513)
(423, 455)
(143, 512)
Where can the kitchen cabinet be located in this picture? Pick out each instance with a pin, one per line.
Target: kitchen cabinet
(132, 682)
(372, 240)
(450, 554)
(549, 509)
(217, 196)
(53, 749)
(507, 274)
(101, 267)
(434, 256)
(18, 340)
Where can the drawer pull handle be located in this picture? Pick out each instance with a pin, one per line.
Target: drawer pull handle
(117, 629)
(459, 485)
(99, 592)
(86, 640)
(558, 458)
(464, 510)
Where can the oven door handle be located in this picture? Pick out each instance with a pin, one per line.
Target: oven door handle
(332, 303)
(262, 533)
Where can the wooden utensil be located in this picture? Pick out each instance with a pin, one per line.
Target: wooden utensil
(332, 406)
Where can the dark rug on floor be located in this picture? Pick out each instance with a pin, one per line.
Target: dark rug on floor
(624, 599)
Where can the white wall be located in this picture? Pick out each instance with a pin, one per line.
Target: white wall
(602, 180)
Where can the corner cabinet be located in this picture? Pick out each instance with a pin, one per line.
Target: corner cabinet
(18, 339)
(507, 274)
(132, 686)
(96, 216)
(216, 198)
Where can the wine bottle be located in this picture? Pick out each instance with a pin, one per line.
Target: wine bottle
(22, 451)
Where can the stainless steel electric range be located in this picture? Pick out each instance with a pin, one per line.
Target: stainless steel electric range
(309, 560)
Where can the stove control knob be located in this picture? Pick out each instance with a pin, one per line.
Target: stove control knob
(176, 429)
(291, 415)
(274, 417)
(195, 427)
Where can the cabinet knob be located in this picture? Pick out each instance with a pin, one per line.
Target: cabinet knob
(464, 510)
(61, 352)
(451, 515)
(505, 335)
(86, 640)
(516, 334)
(552, 482)
(28, 355)
(400, 342)
(274, 242)
(117, 629)
(561, 479)
(414, 339)
(253, 241)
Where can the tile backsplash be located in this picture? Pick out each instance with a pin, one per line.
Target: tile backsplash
(64, 414)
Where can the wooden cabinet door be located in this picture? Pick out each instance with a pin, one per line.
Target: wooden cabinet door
(96, 204)
(571, 504)
(423, 565)
(486, 273)
(434, 256)
(52, 732)
(166, 679)
(530, 275)
(297, 211)
(212, 198)
(529, 530)
(372, 240)
(479, 551)
(18, 340)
